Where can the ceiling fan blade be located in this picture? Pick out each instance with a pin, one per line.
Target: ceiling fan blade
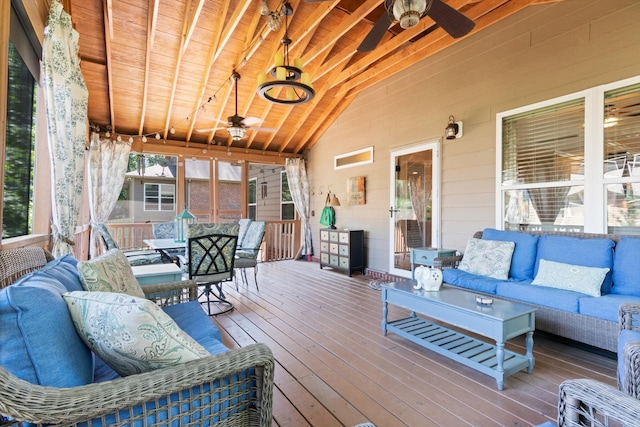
(375, 35)
(263, 129)
(207, 130)
(248, 121)
(452, 21)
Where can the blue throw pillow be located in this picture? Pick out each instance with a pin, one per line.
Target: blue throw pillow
(65, 270)
(39, 343)
(597, 252)
(524, 255)
(626, 267)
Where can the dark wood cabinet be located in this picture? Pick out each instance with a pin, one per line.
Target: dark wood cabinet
(342, 249)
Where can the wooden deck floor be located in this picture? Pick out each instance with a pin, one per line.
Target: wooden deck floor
(335, 368)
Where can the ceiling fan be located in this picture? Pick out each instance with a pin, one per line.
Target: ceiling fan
(237, 126)
(408, 13)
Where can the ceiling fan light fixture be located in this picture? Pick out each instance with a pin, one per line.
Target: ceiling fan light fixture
(237, 133)
(408, 12)
(286, 83)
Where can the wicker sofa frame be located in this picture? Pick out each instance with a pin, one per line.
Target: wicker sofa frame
(574, 326)
(186, 386)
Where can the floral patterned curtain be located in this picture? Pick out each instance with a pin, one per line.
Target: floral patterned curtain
(108, 162)
(299, 187)
(66, 106)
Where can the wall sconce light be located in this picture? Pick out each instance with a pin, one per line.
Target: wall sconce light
(453, 129)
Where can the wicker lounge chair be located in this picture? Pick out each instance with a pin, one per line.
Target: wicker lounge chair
(629, 350)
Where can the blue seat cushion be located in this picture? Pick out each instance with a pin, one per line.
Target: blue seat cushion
(548, 297)
(65, 270)
(39, 343)
(524, 254)
(626, 267)
(604, 307)
(596, 252)
(625, 336)
(470, 281)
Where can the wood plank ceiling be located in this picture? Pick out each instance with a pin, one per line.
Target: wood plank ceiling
(156, 65)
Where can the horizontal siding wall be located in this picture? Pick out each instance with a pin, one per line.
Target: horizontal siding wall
(540, 53)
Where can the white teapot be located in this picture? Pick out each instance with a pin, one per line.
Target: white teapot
(429, 279)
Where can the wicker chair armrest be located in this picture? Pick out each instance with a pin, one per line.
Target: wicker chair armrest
(631, 357)
(169, 293)
(21, 400)
(629, 316)
(447, 262)
(583, 400)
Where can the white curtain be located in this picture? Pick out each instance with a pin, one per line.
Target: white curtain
(108, 162)
(66, 106)
(299, 187)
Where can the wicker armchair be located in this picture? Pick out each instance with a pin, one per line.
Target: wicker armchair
(234, 388)
(629, 358)
(585, 402)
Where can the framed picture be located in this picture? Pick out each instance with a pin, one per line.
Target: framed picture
(356, 190)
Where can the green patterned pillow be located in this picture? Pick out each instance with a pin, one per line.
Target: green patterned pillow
(491, 258)
(577, 278)
(130, 334)
(109, 272)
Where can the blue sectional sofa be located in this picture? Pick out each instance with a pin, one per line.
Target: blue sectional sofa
(49, 376)
(586, 310)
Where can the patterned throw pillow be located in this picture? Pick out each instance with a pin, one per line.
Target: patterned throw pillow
(578, 278)
(489, 258)
(130, 334)
(109, 272)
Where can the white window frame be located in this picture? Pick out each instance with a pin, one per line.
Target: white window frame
(255, 203)
(282, 172)
(160, 187)
(595, 206)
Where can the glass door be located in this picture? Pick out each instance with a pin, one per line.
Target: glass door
(414, 204)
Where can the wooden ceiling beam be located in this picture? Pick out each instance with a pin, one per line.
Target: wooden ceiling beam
(345, 25)
(194, 20)
(176, 71)
(435, 42)
(107, 46)
(215, 43)
(152, 22)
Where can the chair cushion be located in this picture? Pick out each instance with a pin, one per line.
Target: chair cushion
(470, 281)
(524, 253)
(109, 272)
(132, 335)
(626, 267)
(38, 342)
(65, 270)
(597, 252)
(490, 258)
(559, 299)
(605, 307)
(586, 280)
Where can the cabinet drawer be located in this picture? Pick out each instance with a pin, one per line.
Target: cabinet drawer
(324, 235)
(344, 262)
(333, 260)
(333, 236)
(343, 250)
(344, 237)
(324, 258)
(333, 248)
(324, 246)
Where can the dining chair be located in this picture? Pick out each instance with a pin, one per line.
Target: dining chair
(210, 258)
(135, 257)
(166, 230)
(247, 253)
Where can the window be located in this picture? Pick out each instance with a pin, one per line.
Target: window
(252, 203)
(18, 202)
(287, 208)
(568, 164)
(159, 197)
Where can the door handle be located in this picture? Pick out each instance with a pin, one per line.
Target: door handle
(392, 210)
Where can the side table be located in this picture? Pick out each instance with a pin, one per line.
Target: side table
(425, 256)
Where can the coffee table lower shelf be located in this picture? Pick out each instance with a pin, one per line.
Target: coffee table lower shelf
(472, 352)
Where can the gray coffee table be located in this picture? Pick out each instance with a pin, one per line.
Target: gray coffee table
(499, 321)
